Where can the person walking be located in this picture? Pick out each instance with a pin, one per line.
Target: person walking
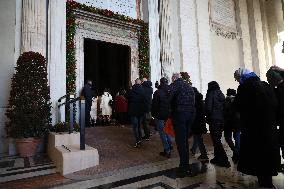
(105, 105)
(183, 114)
(160, 111)
(136, 109)
(87, 93)
(232, 124)
(276, 80)
(94, 110)
(259, 151)
(214, 106)
(199, 127)
(120, 105)
(147, 86)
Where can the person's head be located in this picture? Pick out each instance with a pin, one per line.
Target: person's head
(175, 76)
(274, 78)
(89, 82)
(144, 79)
(213, 85)
(231, 92)
(122, 92)
(240, 72)
(164, 81)
(138, 81)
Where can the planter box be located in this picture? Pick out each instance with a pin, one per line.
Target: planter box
(64, 151)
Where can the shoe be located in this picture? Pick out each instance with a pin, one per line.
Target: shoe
(137, 144)
(203, 158)
(181, 173)
(145, 138)
(165, 154)
(214, 161)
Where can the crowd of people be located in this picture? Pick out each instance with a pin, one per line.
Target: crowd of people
(253, 116)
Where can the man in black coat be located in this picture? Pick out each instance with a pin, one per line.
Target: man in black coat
(232, 124)
(199, 127)
(160, 111)
(214, 106)
(183, 113)
(147, 86)
(136, 109)
(88, 95)
(257, 104)
(276, 80)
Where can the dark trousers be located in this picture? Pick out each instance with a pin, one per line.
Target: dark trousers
(136, 122)
(182, 122)
(146, 121)
(281, 138)
(216, 135)
(87, 114)
(122, 117)
(198, 142)
(228, 137)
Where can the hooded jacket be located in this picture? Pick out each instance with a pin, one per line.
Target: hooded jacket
(160, 103)
(214, 103)
(147, 86)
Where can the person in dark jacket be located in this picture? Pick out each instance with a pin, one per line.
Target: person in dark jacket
(199, 126)
(183, 113)
(232, 124)
(160, 111)
(257, 104)
(147, 86)
(88, 95)
(214, 107)
(276, 80)
(136, 109)
(121, 105)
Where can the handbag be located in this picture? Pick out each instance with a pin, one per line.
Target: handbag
(169, 129)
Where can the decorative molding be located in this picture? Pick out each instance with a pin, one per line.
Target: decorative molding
(220, 20)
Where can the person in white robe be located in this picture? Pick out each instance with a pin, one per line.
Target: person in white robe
(105, 105)
(94, 110)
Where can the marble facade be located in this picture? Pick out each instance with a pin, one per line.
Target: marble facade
(181, 39)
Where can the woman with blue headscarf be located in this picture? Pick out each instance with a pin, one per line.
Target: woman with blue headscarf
(257, 104)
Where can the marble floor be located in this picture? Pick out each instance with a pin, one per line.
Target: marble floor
(122, 166)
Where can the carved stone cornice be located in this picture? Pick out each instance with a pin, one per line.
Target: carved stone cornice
(106, 20)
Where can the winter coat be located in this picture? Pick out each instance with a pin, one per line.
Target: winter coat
(279, 91)
(105, 104)
(161, 104)
(121, 104)
(182, 97)
(136, 101)
(199, 124)
(232, 117)
(214, 106)
(259, 152)
(147, 86)
(94, 108)
(87, 93)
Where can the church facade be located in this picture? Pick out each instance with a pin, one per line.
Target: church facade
(209, 39)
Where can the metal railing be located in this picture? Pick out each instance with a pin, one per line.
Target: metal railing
(70, 107)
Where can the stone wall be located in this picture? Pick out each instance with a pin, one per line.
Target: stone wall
(7, 60)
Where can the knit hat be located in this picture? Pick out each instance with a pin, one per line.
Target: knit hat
(231, 92)
(163, 81)
(273, 77)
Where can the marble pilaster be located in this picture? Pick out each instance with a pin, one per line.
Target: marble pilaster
(34, 26)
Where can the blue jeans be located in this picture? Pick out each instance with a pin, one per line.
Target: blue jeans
(198, 142)
(136, 123)
(166, 140)
(237, 137)
(182, 122)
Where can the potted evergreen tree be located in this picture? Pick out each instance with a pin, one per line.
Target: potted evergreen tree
(28, 113)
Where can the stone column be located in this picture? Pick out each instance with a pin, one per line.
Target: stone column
(34, 26)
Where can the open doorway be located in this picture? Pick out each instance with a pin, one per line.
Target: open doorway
(107, 65)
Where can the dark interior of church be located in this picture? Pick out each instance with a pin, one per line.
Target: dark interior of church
(107, 65)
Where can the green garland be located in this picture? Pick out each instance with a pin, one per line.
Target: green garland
(143, 40)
